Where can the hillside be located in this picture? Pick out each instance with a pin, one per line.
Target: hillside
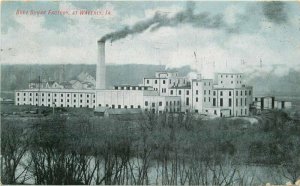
(17, 77)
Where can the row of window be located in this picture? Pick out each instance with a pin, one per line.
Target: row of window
(179, 92)
(55, 100)
(232, 76)
(237, 82)
(160, 103)
(164, 81)
(119, 106)
(230, 102)
(61, 105)
(133, 88)
(55, 95)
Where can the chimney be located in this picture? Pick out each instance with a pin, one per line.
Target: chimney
(100, 69)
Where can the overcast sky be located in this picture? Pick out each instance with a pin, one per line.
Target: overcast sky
(222, 36)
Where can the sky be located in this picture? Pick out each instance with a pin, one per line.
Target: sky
(252, 37)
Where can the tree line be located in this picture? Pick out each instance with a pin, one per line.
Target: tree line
(159, 149)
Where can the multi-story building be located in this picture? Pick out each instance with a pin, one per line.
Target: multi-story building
(225, 95)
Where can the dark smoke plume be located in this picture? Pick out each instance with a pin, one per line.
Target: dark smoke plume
(275, 12)
(159, 20)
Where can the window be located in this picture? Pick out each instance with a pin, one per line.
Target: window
(196, 92)
(204, 99)
(18, 99)
(221, 102)
(221, 93)
(196, 99)
(249, 92)
(147, 81)
(18, 94)
(214, 101)
(61, 95)
(178, 103)
(131, 106)
(204, 83)
(231, 82)
(68, 95)
(236, 102)
(221, 82)
(214, 93)
(179, 92)
(48, 100)
(229, 102)
(241, 92)
(229, 93)
(81, 95)
(160, 103)
(208, 99)
(153, 104)
(245, 101)
(146, 103)
(87, 101)
(164, 81)
(204, 92)
(139, 106)
(54, 95)
(171, 92)
(29, 94)
(119, 106)
(61, 100)
(166, 103)
(187, 101)
(245, 111)
(87, 95)
(54, 100)
(42, 94)
(25, 99)
(215, 112)
(236, 93)
(155, 81)
(208, 92)
(113, 106)
(187, 92)
(245, 92)
(81, 101)
(241, 101)
(106, 105)
(74, 95)
(29, 99)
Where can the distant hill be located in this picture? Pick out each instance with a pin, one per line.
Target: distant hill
(17, 76)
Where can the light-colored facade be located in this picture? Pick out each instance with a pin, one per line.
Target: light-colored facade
(224, 96)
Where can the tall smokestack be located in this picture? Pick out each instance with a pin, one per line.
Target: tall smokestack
(100, 69)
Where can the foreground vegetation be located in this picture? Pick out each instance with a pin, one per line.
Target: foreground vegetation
(165, 149)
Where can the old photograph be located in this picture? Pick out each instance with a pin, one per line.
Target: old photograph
(150, 92)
